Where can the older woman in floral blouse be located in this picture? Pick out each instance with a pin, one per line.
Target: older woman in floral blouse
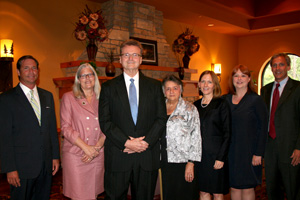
(181, 143)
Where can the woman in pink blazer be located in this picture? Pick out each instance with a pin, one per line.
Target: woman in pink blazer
(82, 149)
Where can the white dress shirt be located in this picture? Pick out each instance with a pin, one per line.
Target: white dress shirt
(136, 83)
(280, 89)
(26, 91)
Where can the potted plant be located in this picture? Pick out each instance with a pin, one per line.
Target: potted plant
(186, 44)
(91, 28)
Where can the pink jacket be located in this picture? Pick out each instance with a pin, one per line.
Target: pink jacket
(79, 119)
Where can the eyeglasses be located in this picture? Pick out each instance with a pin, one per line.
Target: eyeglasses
(134, 55)
(84, 76)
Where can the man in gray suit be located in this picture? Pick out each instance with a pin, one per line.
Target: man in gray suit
(282, 155)
(29, 150)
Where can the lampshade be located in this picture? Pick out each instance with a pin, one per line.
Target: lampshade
(217, 69)
(7, 48)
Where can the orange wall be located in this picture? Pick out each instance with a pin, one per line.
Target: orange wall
(255, 50)
(214, 48)
(43, 29)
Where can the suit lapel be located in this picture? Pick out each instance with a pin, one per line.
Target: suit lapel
(122, 93)
(86, 105)
(26, 104)
(268, 95)
(142, 95)
(43, 104)
(285, 93)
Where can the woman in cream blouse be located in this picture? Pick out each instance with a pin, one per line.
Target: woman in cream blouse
(181, 143)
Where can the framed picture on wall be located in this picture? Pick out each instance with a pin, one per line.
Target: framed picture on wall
(149, 51)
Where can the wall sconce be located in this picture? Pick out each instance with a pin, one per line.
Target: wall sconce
(217, 69)
(6, 59)
(7, 48)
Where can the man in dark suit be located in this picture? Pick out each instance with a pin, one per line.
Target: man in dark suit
(29, 149)
(282, 155)
(133, 123)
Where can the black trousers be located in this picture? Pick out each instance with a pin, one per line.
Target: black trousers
(38, 188)
(141, 182)
(281, 178)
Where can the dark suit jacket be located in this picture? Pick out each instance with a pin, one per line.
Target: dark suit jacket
(24, 145)
(215, 128)
(117, 124)
(287, 118)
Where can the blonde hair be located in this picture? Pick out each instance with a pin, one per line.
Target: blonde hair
(77, 90)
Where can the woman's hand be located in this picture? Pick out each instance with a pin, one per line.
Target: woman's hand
(189, 172)
(256, 160)
(218, 164)
(90, 153)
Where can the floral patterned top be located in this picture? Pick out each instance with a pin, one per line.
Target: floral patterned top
(183, 134)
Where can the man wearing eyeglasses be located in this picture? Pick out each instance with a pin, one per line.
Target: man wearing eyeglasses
(132, 115)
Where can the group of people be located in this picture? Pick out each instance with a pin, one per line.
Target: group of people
(119, 136)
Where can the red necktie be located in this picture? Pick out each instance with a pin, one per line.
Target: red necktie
(275, 100)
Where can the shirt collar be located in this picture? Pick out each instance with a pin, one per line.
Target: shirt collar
(283, 82)
(127, 78)
(26, 89)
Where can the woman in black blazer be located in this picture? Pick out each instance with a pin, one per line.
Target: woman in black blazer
(215, 130)
(249, 134)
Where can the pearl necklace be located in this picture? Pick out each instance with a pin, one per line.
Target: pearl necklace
(204, 106)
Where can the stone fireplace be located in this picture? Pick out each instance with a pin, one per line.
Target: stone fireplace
(125, 20)
(132, 19)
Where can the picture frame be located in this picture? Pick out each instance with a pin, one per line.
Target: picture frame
(149, 51)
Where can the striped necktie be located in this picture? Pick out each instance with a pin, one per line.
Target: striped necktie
(35, 106)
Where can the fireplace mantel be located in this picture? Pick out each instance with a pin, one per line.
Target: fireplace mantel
(64, 84)
(118, 65)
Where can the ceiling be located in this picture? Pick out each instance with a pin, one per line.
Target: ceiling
(234, 17)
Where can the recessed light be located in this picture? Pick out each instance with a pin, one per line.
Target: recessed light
(276, 29)
(210, 25)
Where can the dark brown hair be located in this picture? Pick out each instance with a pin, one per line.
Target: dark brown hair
(19, 62)
(286, 57)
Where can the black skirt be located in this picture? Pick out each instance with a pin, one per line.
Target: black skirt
(211, 180)
(174, 185)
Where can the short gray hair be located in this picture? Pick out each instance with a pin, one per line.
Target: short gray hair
(131, 42)
(171, 77)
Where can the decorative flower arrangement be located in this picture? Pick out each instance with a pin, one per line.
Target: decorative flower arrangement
(91, 27)
(186, 43)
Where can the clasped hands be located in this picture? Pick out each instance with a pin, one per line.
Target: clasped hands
(91, 152)
(135, 145)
